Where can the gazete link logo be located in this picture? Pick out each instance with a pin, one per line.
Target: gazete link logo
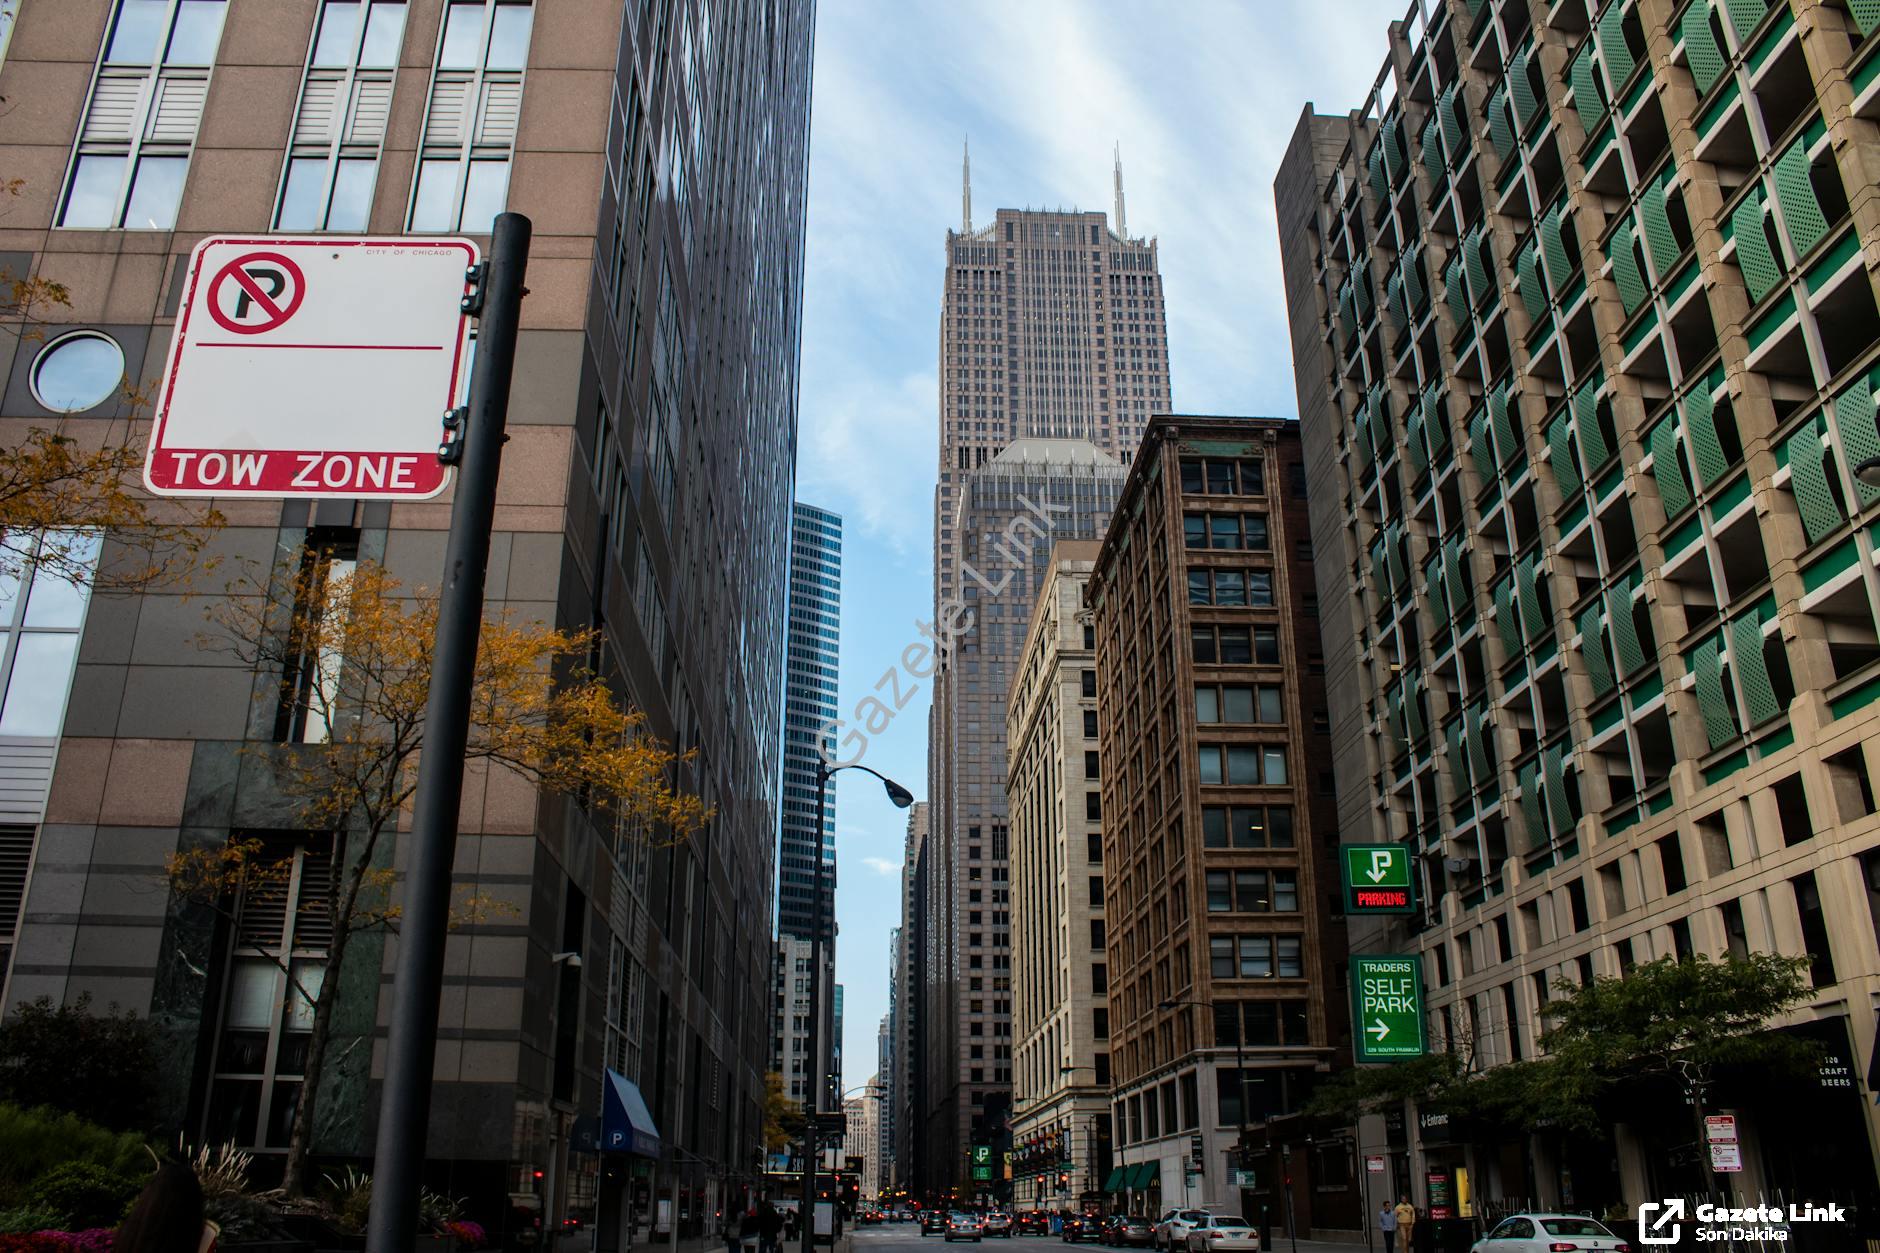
(1659, 1221)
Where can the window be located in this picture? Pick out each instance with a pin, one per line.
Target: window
(44, 592)
(1242, 765)
(1266, 646)
(310, 688)
(1088, 682)
(140, 124)
(1096, 934)
(1246, 826)
(462, 179)
(77, 372)
(1090, 724)
(1100, 1023)
(1093, 847)
(1090, 765)
(1253, 891)
(1093, 806)
(333, 163)
(275, 965)
(1237, 704)
(1223, 476)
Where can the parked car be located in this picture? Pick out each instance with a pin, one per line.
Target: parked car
(1171, 1232)
(1222, 1233)
(964, 1226)
(1081, 1227)
(1034, 1222)
(931, 1221)
(999, 1224)
(1549, 1233)
(1128, 1231)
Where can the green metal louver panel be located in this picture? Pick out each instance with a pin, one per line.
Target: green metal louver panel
(1393, 555)
(1379, 409)
(1528, 577)
(1854, 419)
(1455, 293)
(1566, 473)
(1554, 765)
(1528, 268)
(1459, 115)
(1624, 630)
(1505, 621)
(1866, 15)
(1746, 15)
(1433, 583)
(1675, 497)
(1707, 669)
(1393, 150)
(1554, 246)
(1532, 816)
(1500, 129)
(1593, 447)
(1753, 254)
(1614, 51)
(1453, 129)
(1586, 100)
(1393, 302)
(1413, 441)
(1808, 478)
(1472, 263)
(1361, 288)
(1625, 271)
(1659, 240)
(1433, 155)
(1700, 46)
(1413, 706)
(1475, 8)
(1393, 723)
(1379, 187)
(1593, 650)
(1505, 441)
(1456, 588)
(1478, 747)
(1413, 277)
(1377, 573)
(1480, 449)
(1435, 421)
(1700, 428)
(1347, 312)
(1458, 768)
(1525, 104)
(1361, 439)
(1752, 669)
(1801, 212)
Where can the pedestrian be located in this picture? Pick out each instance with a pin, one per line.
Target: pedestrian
(1406, 1216)
(769, 1227)
(167, 1216)
(750, 1230)
(1387, 1223)
(789, 1226)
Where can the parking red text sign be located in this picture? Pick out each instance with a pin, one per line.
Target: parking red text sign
(312, 367)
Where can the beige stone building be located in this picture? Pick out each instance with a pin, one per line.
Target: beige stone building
(1584, 318)
(1060, 975)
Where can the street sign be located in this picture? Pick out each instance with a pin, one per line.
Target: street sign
(1244, 1179)
(982, 1172)
(982, 1155)
(312, 367)
(1726, 1158)
(1374, 1165)
(1387, 1008)
(1377, 879)
(1720, 1128)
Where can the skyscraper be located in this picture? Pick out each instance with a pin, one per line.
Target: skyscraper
(1586, 377)
(809, 706)
(1053, 354)
(637, 137)
(908, 1083)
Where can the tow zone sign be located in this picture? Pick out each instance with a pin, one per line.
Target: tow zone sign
(312, 367)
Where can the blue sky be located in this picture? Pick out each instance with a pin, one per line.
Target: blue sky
(1203, 96)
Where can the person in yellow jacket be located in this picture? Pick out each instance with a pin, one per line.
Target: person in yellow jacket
(1406, 1214)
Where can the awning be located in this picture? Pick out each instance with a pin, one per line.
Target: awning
(626, 1123)
(1115, 1182)
(1143, 1174)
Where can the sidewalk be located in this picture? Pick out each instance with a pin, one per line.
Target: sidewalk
(1283, 1243)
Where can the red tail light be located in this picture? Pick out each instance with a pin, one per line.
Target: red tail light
(1558, 1247)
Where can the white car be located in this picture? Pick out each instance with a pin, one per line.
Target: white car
(1222, 1233)
(965, 1227)
(1549, 1233)
(1171, 1230)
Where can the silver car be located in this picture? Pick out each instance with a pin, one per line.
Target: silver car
(1222, 1233)
(965, 1227)
(1545, 1233)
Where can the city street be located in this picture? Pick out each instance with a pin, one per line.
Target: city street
(906, 1237)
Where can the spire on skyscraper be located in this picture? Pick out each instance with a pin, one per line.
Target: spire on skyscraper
(1122, 227)
(966, 187)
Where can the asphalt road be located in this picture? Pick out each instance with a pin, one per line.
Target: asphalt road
(905, 1237)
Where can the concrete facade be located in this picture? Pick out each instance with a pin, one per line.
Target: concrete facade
(641, 424)
(1584, 323)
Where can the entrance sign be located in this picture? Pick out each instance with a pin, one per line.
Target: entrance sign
(1387, 1008)
(313, 367)
(1377, 879)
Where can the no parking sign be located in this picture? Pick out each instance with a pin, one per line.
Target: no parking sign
(312, 367)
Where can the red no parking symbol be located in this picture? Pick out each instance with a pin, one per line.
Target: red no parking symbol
(256, 292)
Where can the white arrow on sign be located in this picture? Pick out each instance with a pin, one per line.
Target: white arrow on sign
(1380, 864)
(1380, 1030)
(1671, 1211)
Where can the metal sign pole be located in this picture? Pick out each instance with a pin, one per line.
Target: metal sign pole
(405, 1102)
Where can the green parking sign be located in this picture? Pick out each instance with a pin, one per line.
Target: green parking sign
(982, 1155)
(1377, 879)
(1387, 1008)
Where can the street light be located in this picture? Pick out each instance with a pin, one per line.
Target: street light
(901, 798)
(1868, 472)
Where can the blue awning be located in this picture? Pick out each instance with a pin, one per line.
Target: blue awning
(626, 1123)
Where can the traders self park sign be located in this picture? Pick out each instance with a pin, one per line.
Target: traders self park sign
(1387, 1008)
(1377, 879)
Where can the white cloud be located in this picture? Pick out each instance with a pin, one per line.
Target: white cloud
(881, 865)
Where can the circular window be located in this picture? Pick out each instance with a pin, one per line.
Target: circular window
(77, 372)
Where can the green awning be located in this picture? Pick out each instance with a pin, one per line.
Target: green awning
(1115, 1182)
(1131, 1173)
(1147, 1173)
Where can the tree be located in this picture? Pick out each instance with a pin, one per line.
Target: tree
(82, 477)
(353, 649)
(101, 1067)
(784, 1123)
